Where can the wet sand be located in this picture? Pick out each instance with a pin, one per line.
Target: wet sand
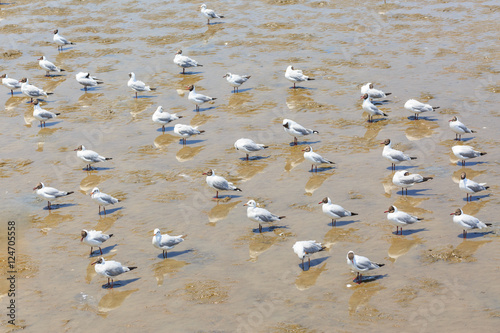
(227, 277)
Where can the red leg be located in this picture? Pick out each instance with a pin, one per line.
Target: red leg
(99, 250)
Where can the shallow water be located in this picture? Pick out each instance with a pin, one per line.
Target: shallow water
(226, 276)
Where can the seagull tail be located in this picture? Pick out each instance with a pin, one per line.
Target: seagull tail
(265, 147)
(413, 158)
(435, 107)
(110, 235)
(183, 236)
(214, 98)
(281, 217)
(310, 79)
(486, 187)
(315, 132)
(427, 178)
(385, 114)
(199, 65)
(488, 224)
(62, 70)
(72, 43)
(70, 192)
(108, 158)
(221, 16)
(330, 162)
(482, 154)
(472, 131)
(131, 268)
(352, 214)
(100, 82)
(420, 218)
(50, 93)
(237, 189)
(202, 131)
(57, 114)
(387, 94)
(379, 265)
(152, 88)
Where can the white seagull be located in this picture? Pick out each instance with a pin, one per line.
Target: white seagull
(400, 218)
(294, 129)
(417, 107)
(468, 222)
(166, 242)
(372, 92)
(48, 66)
(102, 199)
(31, 90)
(49, 193)
(459, 128)
(41, 114)
(470, 186)
(10, 83)
(86, 80)
(90, 156)
(236, 80)
(404, 180)
(360, 265)
(465, 152)
(163, 117)
(219, 183)
(60, 40)
(305, 248)
(94, 238)
(198, 98)
(394, 155)
(334, 211)
(248, 145)
(110, 269)
(137, 85)
(260, 215)
(185, 62)
(369, 107)
(209, 13)
(185, 131)
(315, 158)
(296, 75)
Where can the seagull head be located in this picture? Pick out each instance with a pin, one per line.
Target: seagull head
(308, 149)
(227, 75)
(190, 87)
(3, 76)
(24, 80)
(365, 96)
(391, 209)
(41, 58)
(350, 256)
(386, 142)
(251, 203)
(83, 234)
(325, 200)
(203, 6)
(100, 261)
(157, 232)
(35, 102)
(131, 75)
(179, 52)
(56, 31)
(209, 173)
(39, 186)
(80, 147)
(453, 119)
(462, 176)
(95, 190)
(458, 212)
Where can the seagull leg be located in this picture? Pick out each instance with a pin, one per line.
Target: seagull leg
(216, 194)
(112, 283)
(260, 231)
(91, 251)
(136, 94)
(294, 85)
(99, 209)
(334, 223)
(85, 88)
(247, 157)
(464, 234)
(104, 208)
(48, 205)
(294, 141)
(12, 92)
(303, 264)
(183, 70)
(309, 263)
(100, 250)
(163, 129)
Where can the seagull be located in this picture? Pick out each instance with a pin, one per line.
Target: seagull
(334, 211)
(296, 75)
(137, 85)
(260, 215)
(185, 131)
(166, 242)
(209, 13)
(90, 156)
(417, 107)
(86, 80)
(372, 110)
(236, 80)
(102, 199)
(404, 180)
(12, 84)
(393, 155)
(465, 152)
(94, 238)
(49, 193)
(305, 248)
(164, 118)
(110, 269)
(185, 62)
(372, 92)
(198, 98)
(400, 218)
(32, 91)
(248, 145)
(459, 128)
(48, 66)
(60, 40)
(360, 265)
(41, 114)
(315, 158)
(470, 186)
(468, 222)
(294, 129)
(219, 183)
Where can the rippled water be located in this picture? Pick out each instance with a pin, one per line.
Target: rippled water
(226, 277)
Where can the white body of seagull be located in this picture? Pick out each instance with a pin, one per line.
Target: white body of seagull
(335, 212)
(470, 187)
(102, 199)
(10, 83)
(94, 238)
(315, 158)
(48, 66)
(60, 40)
(236, 80)
(198, 99)
(400, 218)
(219, 183)
(295, 129)
(166, 242)
(459, 128)
(467, 222)
(87, 80)
(49, 193)
(42, 115)
(305, 249)
(136, 85)
(209, 13)
(110, 269)
(260, 215)
(370, 108)
(360, 265)
(417, 107)
(31, 90)
(465, 152)
(248, 146)
(163, 117)
(296, 75)
(90, 156)
(404, 179)
(372, 92)
(185, 62)
(186, 131)
(394, 155)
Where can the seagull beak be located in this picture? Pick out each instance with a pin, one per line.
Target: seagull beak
(81, 240)
(204, 173)
(452, 214)
(319, 203)
(303, 150)
(34, 188)
(245, 205)
(386, 211)
(361, 97)
(95, 262)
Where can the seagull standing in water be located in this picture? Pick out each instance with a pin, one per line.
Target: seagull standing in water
(470, 186)
(404, 179)
(185, 131)
(372, 92)
(136, 85)
(236, 80)
(166, 242)
(400, 218)
(185, 62)
(295, 129)
(248, 145)
(360, 265)
(10, 83)
(394, 155)
(468, 222)
(31, 90)
(465, 152)
(110, 269)
(60, 40)
(163, 117)
(219, 183)
(305, 249)
(370, 108)
(49, 193)
(334, 211)
(198, 99)
(296, 75)
(260, 215)
(86, 80)
(42, 115)
(459, 128)
(315, 158)
(209, 13)
(94, 238)
(90, 156)
(417, 107)
(48, 66)
(102, 199)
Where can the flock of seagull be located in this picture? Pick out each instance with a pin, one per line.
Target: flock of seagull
(303, 249)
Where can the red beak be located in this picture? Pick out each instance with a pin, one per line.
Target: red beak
(319, 203)
(81, 240)
(452, 214)
(386, 211)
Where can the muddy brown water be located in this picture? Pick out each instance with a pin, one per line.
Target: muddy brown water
(226, 277)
